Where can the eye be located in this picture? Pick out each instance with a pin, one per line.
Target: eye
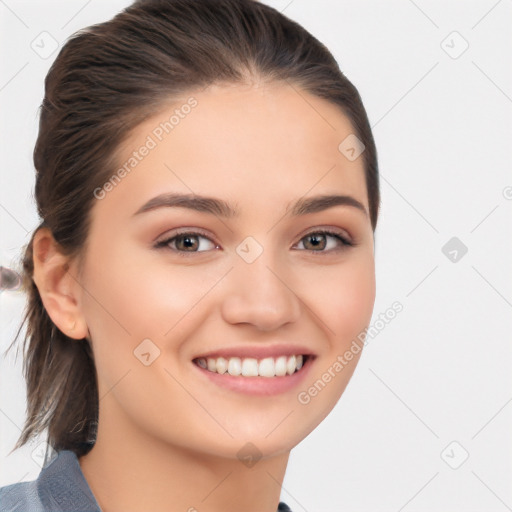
(318, 241)
(187, 241)
(321, 241)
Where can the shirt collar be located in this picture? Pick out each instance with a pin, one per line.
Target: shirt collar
(62, 484)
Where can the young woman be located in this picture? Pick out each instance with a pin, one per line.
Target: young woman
(208, 190)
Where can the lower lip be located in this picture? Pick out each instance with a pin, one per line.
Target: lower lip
(261, 386)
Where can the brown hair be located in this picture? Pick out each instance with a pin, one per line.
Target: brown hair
(108, 78)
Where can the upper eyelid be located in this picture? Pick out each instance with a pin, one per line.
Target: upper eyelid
(185, 231)
(329, 231)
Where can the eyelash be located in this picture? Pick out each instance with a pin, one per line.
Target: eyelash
(164, 244)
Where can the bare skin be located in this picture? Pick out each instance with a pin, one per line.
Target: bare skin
(168, 438)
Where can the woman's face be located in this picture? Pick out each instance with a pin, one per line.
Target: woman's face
(209, 245)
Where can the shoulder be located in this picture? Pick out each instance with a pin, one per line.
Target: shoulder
(20, 496)
(60, 487)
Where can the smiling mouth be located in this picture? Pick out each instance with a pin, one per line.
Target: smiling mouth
(280, 366)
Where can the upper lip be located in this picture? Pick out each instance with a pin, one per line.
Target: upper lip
(257, 352)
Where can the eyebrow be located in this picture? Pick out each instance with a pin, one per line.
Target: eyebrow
(214, 206)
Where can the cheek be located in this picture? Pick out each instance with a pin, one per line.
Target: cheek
(343, 299)
(140, 297)
(344, 305)
(130, 300)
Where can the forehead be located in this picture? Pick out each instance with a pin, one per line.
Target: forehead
(270, 140)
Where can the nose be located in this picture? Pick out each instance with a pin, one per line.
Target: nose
(259, 293)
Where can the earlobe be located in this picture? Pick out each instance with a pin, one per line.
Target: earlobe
(59, 289)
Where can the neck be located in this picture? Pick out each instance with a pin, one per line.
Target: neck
(129, 471)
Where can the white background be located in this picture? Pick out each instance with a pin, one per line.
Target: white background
(441, 370)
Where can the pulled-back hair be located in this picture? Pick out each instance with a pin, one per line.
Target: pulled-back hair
(105, 81)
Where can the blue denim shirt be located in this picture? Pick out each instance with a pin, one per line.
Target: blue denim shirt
(60, 487)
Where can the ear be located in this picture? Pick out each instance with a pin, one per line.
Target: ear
(58, 285)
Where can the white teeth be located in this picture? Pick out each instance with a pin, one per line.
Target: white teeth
(251, 367)
(280, 366)
(212, 365)
(235, 366)
(222, 365)
(267, 367)
(291, 364)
